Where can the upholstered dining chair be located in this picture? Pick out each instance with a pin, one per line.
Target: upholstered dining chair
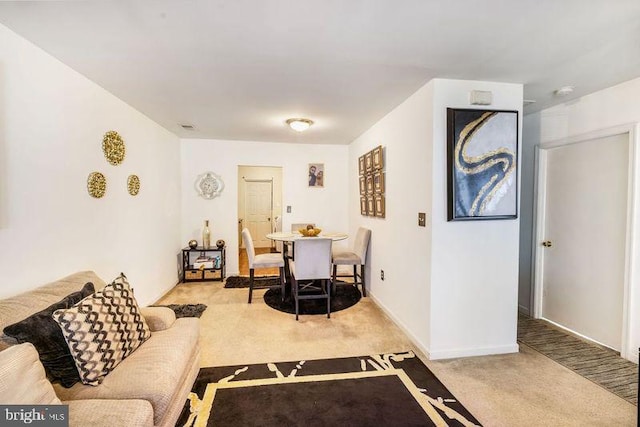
(311, 271)
(261, 261)
(355, 257)
(296, 227)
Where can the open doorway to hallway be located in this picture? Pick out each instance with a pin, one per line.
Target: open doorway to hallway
(583, 234)
(259, 207)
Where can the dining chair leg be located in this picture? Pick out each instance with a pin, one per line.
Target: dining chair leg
(364, 285)
(294, 293)
(251, 272)
(329, 284)
(282, 284)
(333, 282)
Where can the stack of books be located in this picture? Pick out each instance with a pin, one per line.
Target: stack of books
(204, 262)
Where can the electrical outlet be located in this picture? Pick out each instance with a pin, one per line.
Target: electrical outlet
(381, 274)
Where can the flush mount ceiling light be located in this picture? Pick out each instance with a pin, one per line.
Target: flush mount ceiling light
(299, 125)
(564, 91)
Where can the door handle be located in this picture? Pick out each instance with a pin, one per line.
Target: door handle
(547, 243)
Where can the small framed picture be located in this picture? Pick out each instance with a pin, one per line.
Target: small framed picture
(361, 167)
(378, 162)
(368, 161)
(378, 182)
(363, 185)
(363, 205)
(316, 174)
(379, 205)
(369, 183)
(371, 207)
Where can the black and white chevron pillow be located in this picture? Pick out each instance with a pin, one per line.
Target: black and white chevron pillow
(103, 329)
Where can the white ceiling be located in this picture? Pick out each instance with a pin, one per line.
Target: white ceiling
(238, 69)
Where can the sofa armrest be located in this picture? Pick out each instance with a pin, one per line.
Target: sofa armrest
(110, 413)
(158, 318)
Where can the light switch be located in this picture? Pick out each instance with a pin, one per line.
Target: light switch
(422, 219)
(288, 209)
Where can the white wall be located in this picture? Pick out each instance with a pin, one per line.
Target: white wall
(398, 246)
(52, 121)
(452, 286)
(615, 106)
(475, 263)
(530, 137)
(327, 207)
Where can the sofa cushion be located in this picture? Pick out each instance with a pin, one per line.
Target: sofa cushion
(44, 333)
(22, 378)
(16, 308)
(103, 329)
(152, 373)
(116, 413)
(158, 318)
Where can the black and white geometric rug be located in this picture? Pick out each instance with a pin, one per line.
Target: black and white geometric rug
(380, 390)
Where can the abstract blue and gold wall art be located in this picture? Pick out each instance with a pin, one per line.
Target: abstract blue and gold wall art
(482, 156)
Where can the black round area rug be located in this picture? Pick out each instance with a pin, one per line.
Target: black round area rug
(345, 296)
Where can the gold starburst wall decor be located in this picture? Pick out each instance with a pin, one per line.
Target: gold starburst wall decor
(133, 185)
(113, 147)
(96, 185)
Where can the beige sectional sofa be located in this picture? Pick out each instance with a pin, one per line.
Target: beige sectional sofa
(149, 387)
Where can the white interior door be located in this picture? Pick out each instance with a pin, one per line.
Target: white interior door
(585, 221)
(258, 208)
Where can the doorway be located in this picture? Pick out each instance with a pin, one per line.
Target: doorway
(259, 204)
(583, 232)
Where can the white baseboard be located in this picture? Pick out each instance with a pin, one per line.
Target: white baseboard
(414, 340)
(524, 310)
(448, 353)
(631, 356)
(474, 351)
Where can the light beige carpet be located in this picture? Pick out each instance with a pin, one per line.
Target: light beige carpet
(523, 389)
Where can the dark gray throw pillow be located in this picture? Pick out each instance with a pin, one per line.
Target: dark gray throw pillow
(46, 336)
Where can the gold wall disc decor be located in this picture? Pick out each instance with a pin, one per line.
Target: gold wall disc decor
(96, 184)
(113, 147)
(133, 185)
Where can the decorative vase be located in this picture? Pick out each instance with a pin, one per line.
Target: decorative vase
(206, 235)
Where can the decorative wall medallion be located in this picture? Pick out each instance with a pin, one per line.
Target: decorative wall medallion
(209, 185)
(133, 185)
(96, 184)
(113, 147)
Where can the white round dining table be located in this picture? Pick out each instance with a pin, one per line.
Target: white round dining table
(290, 236)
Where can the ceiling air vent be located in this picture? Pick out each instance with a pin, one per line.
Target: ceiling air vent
(187, 127)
